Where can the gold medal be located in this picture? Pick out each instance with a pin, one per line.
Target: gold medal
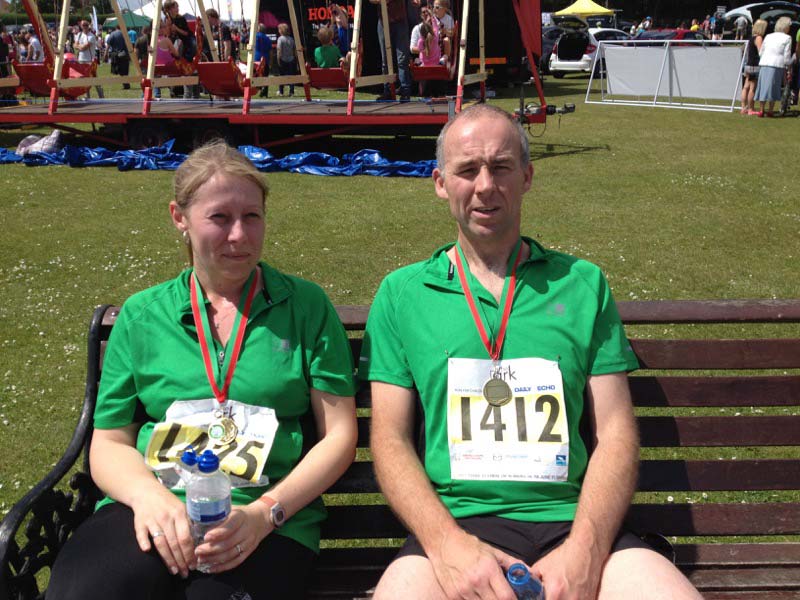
(497, 392)
(223, 429)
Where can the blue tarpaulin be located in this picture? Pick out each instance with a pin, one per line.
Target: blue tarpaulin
(363, 162)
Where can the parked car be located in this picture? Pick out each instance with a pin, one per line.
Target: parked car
(550, 35)
(575, 50)
(769, 11)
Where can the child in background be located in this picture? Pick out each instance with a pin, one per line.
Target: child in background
(429, 50)
(327, 55)
(287, 58)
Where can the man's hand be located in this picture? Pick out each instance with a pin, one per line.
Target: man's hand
(569, 572)
(465, 567)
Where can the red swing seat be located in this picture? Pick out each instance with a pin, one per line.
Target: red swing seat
(436, 72)
(37, 77)
(180, 67)
(226, 79)
(332, 78)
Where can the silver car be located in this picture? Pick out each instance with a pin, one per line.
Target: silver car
(575, 50)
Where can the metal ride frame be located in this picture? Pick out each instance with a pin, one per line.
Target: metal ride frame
(666, 66)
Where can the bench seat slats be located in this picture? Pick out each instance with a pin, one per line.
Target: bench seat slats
(752, 595)
(775, 390)
(718, 354)
(654, 476)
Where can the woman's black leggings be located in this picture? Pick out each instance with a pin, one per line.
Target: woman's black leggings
(102, 560)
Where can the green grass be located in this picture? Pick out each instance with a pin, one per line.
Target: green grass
(671, 204)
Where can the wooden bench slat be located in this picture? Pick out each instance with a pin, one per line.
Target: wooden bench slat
(731, 555)
(719, 475)
(779, 518)
(718, 354)
(783, 430)
(779, 578)
(751, 595)
(767, 390)
(654, 476)
(709, 311)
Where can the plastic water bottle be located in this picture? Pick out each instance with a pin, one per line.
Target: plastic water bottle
(208, 497)
(525, 585)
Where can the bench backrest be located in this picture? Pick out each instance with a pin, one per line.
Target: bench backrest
(719, 428)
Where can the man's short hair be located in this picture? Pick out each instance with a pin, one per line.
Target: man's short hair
(168, 5)
(212, 14)
(480, 110)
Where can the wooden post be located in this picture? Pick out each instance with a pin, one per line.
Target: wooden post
(152, 51)
(462, 56)
(354, 58)
(298, 46)
(59, 57)
(251, 53)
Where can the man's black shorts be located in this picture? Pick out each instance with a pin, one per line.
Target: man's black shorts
(527, 541)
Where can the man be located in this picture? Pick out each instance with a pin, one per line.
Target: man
(399, 39)
(741, 25)
(118, 55)
(35, 50)
(503, 339)
(263, 50)
(86, 45)
(222, 34)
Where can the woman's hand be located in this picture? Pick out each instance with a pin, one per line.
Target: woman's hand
(159, 515)
(228, 545)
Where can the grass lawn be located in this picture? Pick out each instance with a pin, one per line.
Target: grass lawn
(671, 204)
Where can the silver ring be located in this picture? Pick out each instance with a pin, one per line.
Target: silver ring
(156, 534)
(239, 548)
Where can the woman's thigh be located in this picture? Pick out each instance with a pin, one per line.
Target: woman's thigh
(103, 560)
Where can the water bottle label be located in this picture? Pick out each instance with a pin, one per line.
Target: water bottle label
(210, 511)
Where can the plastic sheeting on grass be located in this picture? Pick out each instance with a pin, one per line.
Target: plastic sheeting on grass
(363, 162)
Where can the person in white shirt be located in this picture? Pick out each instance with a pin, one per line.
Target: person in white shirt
(35, 51)
(86, 45)
(776, 56)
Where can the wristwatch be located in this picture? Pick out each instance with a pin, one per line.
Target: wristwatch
(277, 514)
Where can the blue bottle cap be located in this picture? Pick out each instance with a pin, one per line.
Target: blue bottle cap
(208, 462)
(518, 574)
(189, 457)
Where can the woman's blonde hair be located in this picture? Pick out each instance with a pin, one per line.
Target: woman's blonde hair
(214, 158)
(759, 28)
(784, 24)
(283, 29)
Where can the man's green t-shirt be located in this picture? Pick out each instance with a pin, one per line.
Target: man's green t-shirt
(420, 333)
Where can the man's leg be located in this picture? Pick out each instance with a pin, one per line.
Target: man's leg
(410, 576)
(638, 573)
(400, 44)
(384, 66)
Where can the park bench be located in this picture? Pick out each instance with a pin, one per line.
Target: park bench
(708, 408)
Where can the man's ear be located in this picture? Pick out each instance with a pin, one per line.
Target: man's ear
(438, 182)
(528, 176)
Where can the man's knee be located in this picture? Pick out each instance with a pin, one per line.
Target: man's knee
(641, 573)
(410, 576)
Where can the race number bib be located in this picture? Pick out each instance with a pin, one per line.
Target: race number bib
(186, 424)
(526, 439)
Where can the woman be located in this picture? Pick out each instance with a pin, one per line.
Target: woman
(166, 51)
(158, 375)
(751, 67)
(776, 56)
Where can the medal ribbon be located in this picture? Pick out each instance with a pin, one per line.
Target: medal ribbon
(239, 326)
(507, 299)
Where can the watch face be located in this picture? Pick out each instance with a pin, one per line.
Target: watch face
(278, 515)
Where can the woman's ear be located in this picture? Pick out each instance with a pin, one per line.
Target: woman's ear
(178, 218)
